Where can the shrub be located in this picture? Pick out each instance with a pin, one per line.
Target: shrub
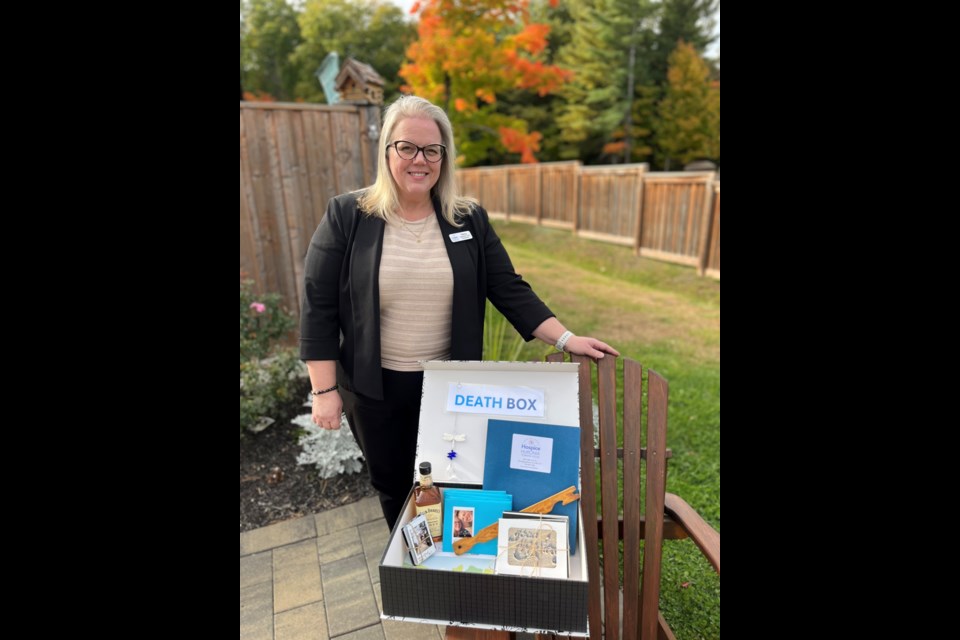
(270, 389)
(332, 452)
(272, 380)
(263, 321)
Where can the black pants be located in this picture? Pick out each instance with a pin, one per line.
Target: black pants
(386, 431)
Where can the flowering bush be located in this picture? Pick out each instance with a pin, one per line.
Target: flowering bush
(270, 385)
(262, 322)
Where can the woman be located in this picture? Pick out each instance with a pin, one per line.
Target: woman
(463, 523)
(399, 273)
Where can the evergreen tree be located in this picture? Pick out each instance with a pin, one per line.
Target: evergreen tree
(643, 118)
(606, 53)
(687, 20)
(689, 123)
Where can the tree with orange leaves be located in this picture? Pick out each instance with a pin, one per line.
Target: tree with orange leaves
(468, 52)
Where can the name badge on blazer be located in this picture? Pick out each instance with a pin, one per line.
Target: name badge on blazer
(460, 237)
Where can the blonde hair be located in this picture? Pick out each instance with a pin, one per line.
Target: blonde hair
(381, 199)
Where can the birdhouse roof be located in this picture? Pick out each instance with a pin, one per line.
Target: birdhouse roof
(360, 72)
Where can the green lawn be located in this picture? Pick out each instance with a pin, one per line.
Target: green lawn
(667, 318)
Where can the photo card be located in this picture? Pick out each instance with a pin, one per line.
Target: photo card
(463, 522)
(533, 548)
(419, 539)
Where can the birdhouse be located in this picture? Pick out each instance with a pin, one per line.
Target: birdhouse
(359, 83)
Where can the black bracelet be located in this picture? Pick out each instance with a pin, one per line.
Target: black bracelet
(322, 391)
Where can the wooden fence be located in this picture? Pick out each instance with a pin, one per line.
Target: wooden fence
(667, 216)
(293, 159)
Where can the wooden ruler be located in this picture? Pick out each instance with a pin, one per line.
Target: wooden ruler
(490, 532)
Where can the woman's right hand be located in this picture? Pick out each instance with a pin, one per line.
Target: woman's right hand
(327, 409)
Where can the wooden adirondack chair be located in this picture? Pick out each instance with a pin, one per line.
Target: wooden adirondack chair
(667, 515)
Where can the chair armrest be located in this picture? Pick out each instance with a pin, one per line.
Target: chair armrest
(705, 536)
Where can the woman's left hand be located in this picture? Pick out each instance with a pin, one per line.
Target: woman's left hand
(587, 346)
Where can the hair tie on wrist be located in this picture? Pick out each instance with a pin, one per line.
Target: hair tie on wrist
(322, 391)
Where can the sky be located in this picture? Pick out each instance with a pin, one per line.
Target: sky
(713, 51)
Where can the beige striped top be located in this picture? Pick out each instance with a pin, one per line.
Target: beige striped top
(416, 295)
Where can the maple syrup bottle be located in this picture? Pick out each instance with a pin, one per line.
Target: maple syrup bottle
(427, 498)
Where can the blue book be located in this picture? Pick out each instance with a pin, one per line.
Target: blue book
(532, 462)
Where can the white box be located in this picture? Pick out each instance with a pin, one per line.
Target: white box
(501, 602)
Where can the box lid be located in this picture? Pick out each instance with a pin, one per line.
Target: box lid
(459, 397)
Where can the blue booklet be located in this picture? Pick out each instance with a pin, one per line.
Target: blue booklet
(467, 511)
(532, 462)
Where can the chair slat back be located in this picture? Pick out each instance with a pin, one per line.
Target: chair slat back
(588, 488)
(632, 401)
(657, 392)
(641, 585)
(609, 504)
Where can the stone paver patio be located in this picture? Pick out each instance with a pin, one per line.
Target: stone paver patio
(316, 578)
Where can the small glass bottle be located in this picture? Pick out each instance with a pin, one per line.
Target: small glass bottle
(428, 501)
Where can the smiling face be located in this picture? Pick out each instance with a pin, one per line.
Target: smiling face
(415, 178)
(465, 518)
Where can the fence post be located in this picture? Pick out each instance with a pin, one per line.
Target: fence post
(506, 193)
(708, 225)
(576, 198)
(369, 134)
(638, 239)
(538, 193)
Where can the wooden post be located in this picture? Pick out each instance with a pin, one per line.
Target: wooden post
(506, 192)
(369, 140)
(538, 193)
(705, 228)
(638, 238)
(576, 198)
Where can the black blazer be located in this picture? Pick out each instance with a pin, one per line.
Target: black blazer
(340, 312)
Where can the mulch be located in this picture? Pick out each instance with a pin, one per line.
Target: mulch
(273, 487)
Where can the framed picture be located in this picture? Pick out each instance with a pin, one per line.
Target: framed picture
(419, 539)
(532, 547)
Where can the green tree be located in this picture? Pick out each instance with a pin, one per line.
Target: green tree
(617, 51)
(643, 114)
(269, 35)
(689, 123)
(372, 31)
(606, 54)
(687, 20)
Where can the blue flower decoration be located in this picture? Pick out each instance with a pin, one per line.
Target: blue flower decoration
(451, 455)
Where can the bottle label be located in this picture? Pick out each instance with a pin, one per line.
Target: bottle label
(434, 515)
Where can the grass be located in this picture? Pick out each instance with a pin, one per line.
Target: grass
(668, 319)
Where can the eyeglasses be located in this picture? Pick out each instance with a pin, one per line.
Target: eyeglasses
(409, 151)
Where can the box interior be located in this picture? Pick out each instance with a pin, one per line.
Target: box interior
(396, 551)
(558, 379)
